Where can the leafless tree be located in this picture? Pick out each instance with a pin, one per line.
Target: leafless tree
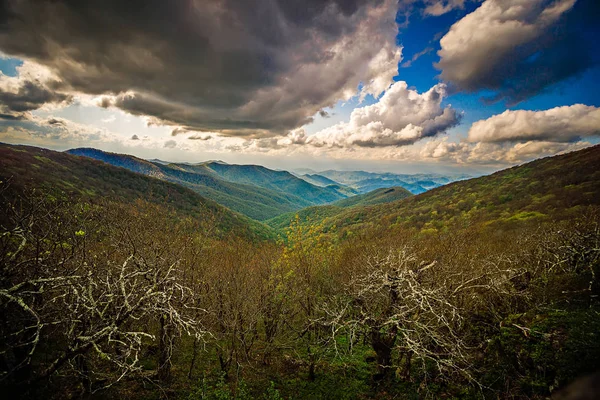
(396, 302)
(89, 310)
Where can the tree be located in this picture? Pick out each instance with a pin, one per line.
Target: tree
(71, 285)
(394, 301)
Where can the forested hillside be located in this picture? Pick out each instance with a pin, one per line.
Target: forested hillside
(255, 191)
(118, 285)
(318, 213)
(547, 190)
(62, 175)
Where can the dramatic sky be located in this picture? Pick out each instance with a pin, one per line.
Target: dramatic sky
(409, 85)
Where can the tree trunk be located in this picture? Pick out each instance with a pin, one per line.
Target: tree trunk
(382, 343)
(165, 349)
(194, 355)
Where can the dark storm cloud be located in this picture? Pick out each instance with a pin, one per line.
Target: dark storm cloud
(250, 68)
(11, 117)
(28, 96)
(520, 48)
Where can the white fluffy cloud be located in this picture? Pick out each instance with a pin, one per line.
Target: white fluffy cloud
(493, 154)
(516, 48)
(401, 117)
(560, 124)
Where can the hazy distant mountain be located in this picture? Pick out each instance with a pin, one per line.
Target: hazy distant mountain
(365, 182)
(318, 180)
(377, 196)
(302, 171)
(255, 191)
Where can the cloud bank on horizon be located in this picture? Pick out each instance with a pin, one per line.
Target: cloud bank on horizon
(317, 78)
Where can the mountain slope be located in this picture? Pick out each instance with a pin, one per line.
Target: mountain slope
(377, 196)
(276, 180)
(318, 213)
(30, 167)
(318, 180)
(545, 190)
(255, 191)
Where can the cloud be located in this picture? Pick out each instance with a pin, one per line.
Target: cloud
(235, 67)
(518, 48)
(493, 154)
(416, 56)
(199, 137)
(560, 124)
(401, 117)
(56, 121)
(32, 88)
(436, 8)
(178, 131)
(170, 144)
(49, 132)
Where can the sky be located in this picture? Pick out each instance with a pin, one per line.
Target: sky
(404, 86)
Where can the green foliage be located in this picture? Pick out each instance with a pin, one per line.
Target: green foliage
(535, 353)
(272, 393)
(321, 213)
(220, 390)
(529, 317)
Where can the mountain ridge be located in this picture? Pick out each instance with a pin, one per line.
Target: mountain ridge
(260, 201)
(544, 190)
(82, 177)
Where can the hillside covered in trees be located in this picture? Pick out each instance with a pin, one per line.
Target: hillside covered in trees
(115, 284)
(312, 214)
(253, 190)
(543, 191)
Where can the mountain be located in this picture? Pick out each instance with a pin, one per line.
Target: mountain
(301, 171)
(26, 167)
(365, 182)
(276, 180)
(546, 190)
(318, 180)
(378, 196)
(368, 185)
(255, 191)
